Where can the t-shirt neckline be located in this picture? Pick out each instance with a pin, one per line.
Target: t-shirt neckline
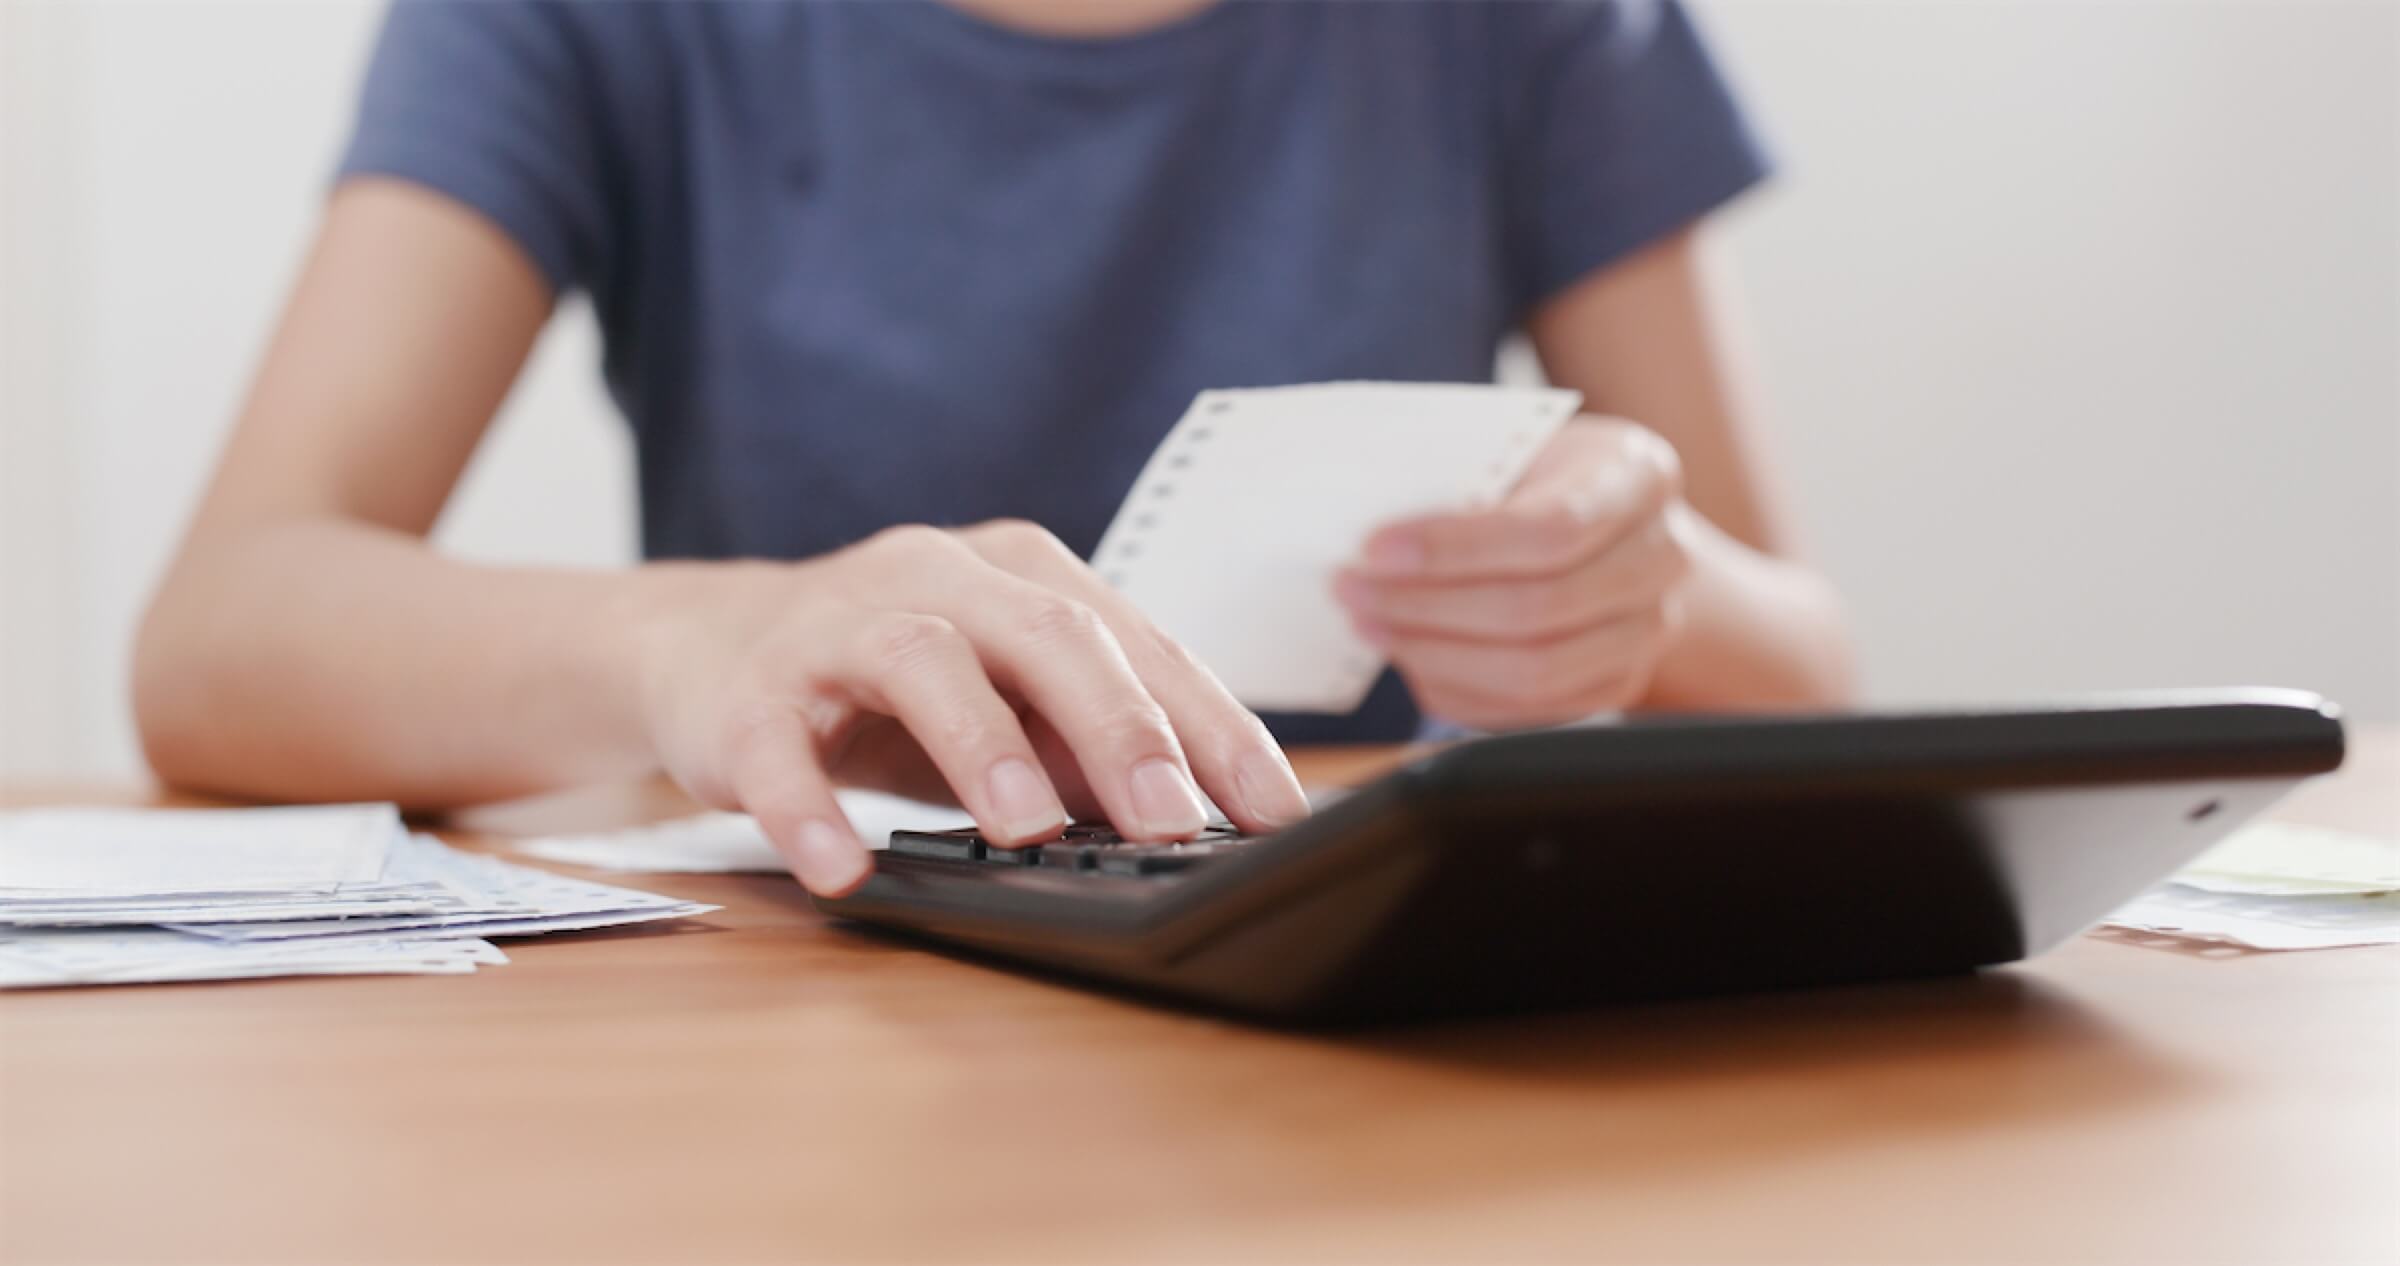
(1104, 56)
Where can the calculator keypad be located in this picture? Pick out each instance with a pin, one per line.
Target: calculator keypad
(1084, 847)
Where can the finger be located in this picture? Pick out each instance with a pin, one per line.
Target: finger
(1573, 676)
(1235, 756)
(1066, 773)
(1597, 491)
(923, 671)
(1231, 751)
(1618, 582)
(778, 779)
(1056, 654)
(1061, 657)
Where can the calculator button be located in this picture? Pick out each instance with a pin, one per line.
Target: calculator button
(1067, 856)
(1145, 859)
(1161, 859)
(948, 846)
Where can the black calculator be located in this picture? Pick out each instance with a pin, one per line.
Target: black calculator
(1651, 859)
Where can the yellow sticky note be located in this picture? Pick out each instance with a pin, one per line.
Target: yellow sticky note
(2278, 858)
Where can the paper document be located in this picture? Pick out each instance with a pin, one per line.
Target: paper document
(124, 956)
(154, 852)
(2331, 921)
(2275, 886)
(123, 896)
(732, 841)
(498, 898)
(1233, 532)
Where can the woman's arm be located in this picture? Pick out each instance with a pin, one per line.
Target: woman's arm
(1640, 562)
(307, 644)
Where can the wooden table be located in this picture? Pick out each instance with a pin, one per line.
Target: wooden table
(761, 1086)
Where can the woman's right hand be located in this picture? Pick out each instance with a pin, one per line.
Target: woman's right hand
(987, 665)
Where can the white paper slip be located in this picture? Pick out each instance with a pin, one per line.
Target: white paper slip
(723, 842)
(257, 910)
(502, 899)
(116, 956)
(161, 852)
(438, 927)
(702, 843)
(2327, 921)
(1233, 532)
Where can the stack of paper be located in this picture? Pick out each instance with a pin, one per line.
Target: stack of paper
(2274, 886)
(105, 896)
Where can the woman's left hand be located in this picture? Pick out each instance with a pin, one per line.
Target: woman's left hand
(1553, 605)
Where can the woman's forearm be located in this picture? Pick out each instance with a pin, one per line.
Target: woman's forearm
(315, 659)
(307, 658)
(1758, 633)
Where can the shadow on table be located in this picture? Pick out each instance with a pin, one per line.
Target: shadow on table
(1619, 1092)
(1998, 1013)
(1647, 1090)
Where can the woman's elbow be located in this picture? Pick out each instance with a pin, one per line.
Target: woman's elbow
(175, 673)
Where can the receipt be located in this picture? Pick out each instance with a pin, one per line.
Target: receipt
(1232, 534)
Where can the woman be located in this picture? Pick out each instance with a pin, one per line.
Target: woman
(869, 271)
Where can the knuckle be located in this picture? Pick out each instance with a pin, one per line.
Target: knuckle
(960, 730)
(900, 641)
(1053, 619)
(1135, 725)
(1160, 648)
(1017, 539)
(914, 543)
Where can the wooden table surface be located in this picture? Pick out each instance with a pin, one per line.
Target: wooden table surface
(758, 1085)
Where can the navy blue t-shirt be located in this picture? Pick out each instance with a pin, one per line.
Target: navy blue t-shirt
(859, 264)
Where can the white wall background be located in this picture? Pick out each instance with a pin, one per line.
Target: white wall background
(2081, 322)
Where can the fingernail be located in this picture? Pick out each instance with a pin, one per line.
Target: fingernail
(1396, 553)
(1270, 789)
(1166, 801)
(830, 860)
(1023, 802)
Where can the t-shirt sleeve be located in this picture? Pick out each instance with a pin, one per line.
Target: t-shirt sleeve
(493, 103)
(1623, 131)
